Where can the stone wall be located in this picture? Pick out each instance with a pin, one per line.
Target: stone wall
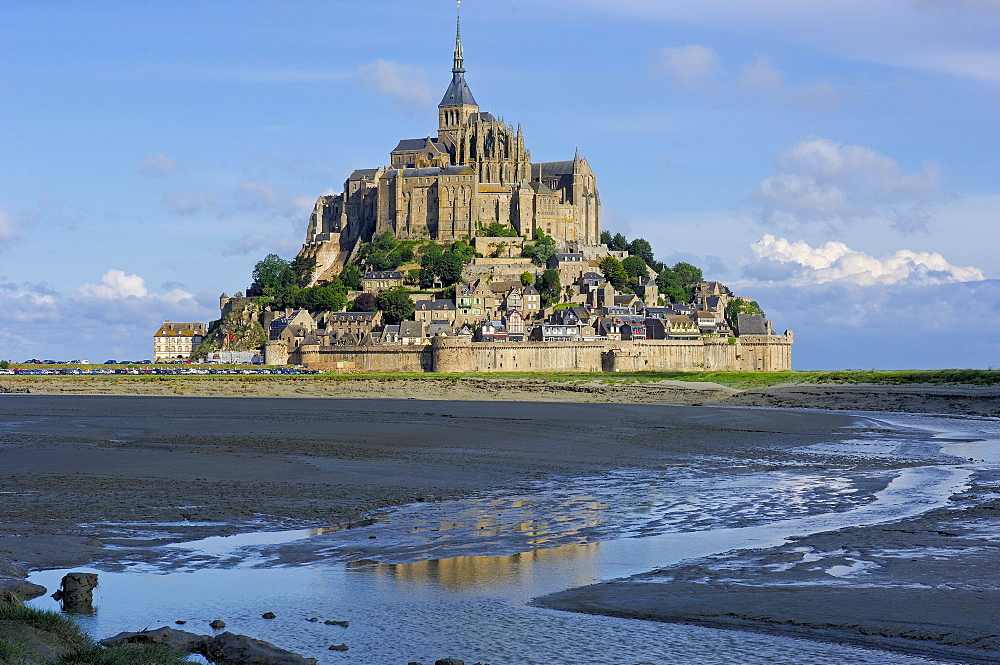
(382, 358)
(765, 353)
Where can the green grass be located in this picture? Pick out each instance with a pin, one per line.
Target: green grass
(740, 380)
(138, 654)
(52, 629)
(53, 623)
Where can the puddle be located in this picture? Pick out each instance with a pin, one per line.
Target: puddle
(455, 578)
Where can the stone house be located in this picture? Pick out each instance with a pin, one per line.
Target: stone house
(516, 327)
(412, 332)
(531, 303)
(340, 325)
(648, 291)
(293, 325)
(570, 265)
(177, 341)
(426, 311)
(555, 332)
(382, 280)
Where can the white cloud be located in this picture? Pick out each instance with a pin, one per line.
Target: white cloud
(761, 76)
(953, 37)
(898, 326)
(763, 79)
(188, 203)
(24, 302)
(798, 263)
(821, 180)
(261, 244)
(407, 85)
(158, 165)
(687, 65)
(8, 234)
(116, 285)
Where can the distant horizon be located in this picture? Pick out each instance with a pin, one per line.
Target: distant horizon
(832, 161)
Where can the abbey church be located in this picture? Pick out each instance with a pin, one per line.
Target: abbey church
(476, 171)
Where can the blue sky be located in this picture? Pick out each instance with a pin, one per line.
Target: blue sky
(836, 161)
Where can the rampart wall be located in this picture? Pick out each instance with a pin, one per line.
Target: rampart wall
(766, 353)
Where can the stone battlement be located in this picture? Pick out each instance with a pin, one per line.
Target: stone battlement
(766, 353)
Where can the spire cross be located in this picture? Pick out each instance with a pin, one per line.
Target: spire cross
(459, 67)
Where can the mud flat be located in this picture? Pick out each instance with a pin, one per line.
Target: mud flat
(926, 585)
(101, 478)
(956, 399)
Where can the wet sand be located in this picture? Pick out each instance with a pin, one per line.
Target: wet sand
(80, 473)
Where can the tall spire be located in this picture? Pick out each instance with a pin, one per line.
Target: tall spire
(458, 93)
(459, 67)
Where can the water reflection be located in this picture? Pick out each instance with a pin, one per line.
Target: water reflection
(487, 572)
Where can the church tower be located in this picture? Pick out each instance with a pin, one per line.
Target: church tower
(458, 103)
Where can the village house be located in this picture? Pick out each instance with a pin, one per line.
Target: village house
(293, 324)
(177, 341)
(347, 328)
(553, 332)
(426, 311)
(516, 327)
(531, 302)
(570, 265)
(382, 280)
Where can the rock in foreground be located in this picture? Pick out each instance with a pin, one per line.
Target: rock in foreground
(224, 649)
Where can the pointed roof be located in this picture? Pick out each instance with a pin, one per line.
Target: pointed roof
(458, 93)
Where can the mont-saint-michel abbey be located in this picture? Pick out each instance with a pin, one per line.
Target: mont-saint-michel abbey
(475, 172)
(534, 284)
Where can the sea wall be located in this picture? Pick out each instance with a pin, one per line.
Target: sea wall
(766, 353)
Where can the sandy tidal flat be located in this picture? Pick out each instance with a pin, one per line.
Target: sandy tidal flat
(82, 473)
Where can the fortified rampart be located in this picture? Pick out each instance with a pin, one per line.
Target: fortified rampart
(763, 353)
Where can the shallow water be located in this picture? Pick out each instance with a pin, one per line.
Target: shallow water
(437, 594)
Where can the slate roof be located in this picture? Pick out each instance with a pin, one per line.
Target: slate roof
(556, 168)
(383, 274)
(351, 316)
(434, 305)
(458, 92)
(411, 329)
(410, 144)
(429, 171)
(362, 174)
(751, 324)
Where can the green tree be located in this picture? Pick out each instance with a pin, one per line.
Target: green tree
(497, 230)
(365, 302)
(614, 273)
(463, 250)
(605, 237)
(549, 287)
(670, 286)
(447, 293)
(640, 247)
(329, 298)
(689, 276)
(445, 267)
(303, 267)
(527, 278)
(274, 276)
(635, 266)
(4, 364)
(738, 306)
(619, 243)
(541, 250)
(395, 305)
(351, 277)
